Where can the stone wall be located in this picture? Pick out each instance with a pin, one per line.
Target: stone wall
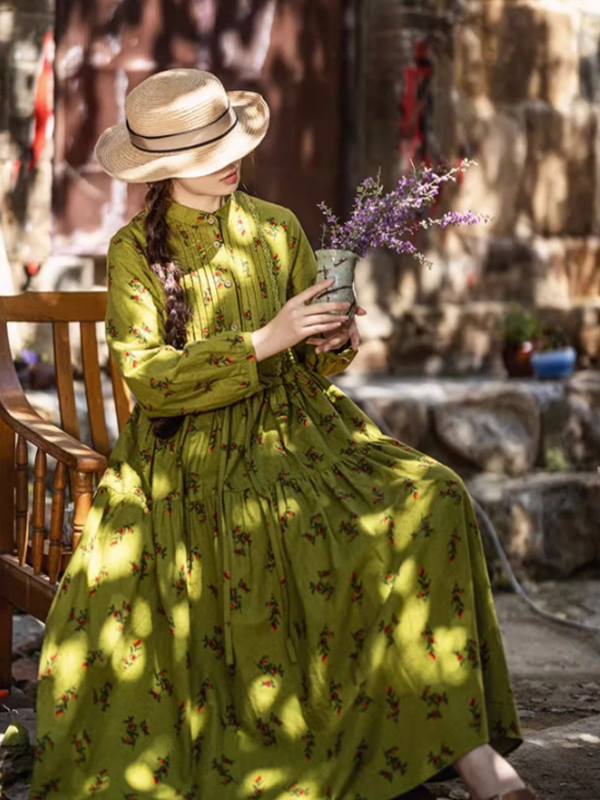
(514, 85)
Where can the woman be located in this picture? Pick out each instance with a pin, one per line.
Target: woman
(270, 598)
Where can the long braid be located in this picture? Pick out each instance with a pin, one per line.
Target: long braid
(169, 273)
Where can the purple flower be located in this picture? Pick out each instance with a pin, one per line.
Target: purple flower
(29, 357)
(391, 220)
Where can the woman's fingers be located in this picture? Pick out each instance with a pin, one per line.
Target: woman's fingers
(328, 326)
(360, 311)
(324, 308)
(330, 345)
(336, 339)
(312, 291)
(354, 335)
(318, 319)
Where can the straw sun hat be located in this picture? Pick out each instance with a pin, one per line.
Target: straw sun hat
(182, 124)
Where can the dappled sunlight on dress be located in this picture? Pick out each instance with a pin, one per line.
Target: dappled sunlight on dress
(279, 601)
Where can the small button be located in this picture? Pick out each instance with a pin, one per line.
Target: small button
(216, 245)
(211, 220)
(227, 284)
(234, 327)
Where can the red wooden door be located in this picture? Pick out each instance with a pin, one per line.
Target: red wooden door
(289, 50)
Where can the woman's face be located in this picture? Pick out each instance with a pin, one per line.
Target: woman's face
(218, 184)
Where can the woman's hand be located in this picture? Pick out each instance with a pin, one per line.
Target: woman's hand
(296, 321)
(338, 338)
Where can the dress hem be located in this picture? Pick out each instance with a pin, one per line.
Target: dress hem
(508, 746)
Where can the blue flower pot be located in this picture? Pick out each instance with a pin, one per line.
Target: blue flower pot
(554, 363)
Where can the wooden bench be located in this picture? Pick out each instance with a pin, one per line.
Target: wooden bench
(32, 555)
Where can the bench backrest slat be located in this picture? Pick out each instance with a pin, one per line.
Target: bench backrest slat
(24, 528)
(93, 388)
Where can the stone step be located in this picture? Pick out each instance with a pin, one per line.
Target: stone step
(542, 761)
(548, 524)
(497, 435)
(489, 425)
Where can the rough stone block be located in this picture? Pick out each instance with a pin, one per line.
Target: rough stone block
(547, 523)
(560, 180)
(466, 339)
(504, 273)
(407, 418)
(583, 395)
(588, 326)
(7, 23)
(476, 424)
(565, 270)
(497, 141)
(447, 339)
(570, 424)
(530, 50)
(498, 431)
(589, 63)
(470, 73)
(28, 634)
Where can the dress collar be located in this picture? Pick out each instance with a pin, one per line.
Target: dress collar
(192, 216)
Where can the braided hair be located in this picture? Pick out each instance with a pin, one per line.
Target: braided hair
(160, 258)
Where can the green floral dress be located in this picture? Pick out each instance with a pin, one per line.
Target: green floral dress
(279, 601)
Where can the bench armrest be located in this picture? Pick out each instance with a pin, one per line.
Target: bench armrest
(23, 419)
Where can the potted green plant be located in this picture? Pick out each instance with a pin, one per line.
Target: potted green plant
(521, 332)
(555, 358)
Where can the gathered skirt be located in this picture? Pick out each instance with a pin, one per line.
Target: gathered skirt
(278, 602)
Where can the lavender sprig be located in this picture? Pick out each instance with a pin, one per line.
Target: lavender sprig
(391, 220)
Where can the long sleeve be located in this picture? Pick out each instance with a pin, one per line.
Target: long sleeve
(207, 374)
(303, 274)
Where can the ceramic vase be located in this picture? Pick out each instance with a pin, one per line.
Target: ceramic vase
(339, 265)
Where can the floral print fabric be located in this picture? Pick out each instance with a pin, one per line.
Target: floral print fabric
(279, 601)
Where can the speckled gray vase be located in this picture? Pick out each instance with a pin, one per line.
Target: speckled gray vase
(339, 265)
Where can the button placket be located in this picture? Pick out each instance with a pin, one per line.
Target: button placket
(232, 294)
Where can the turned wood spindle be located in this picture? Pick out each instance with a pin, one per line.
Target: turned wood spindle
(39, 511)
(22, 501)
(57, 522)
(7, 488)
(83, 489)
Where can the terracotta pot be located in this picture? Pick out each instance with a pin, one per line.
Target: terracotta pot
(517, 359)
(339, 265)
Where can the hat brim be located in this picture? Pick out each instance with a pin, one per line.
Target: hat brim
(118, 156)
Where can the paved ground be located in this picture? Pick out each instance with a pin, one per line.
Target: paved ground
(556, 677)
